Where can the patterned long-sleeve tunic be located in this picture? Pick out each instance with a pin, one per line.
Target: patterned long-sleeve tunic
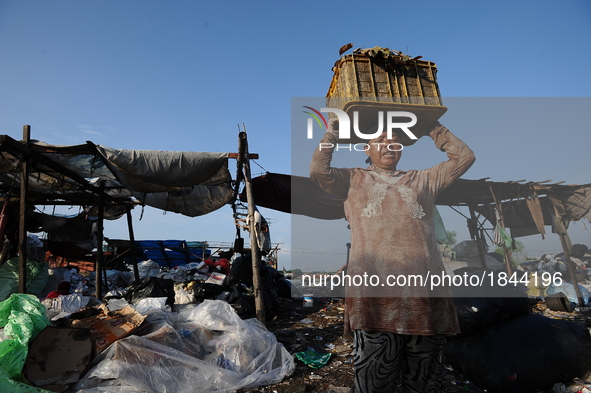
(391, 216)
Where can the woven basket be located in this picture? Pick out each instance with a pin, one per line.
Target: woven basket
(377, 77)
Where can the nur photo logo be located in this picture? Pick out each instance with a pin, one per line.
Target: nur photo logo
(392, 120)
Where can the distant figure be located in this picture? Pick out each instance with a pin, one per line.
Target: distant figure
(63, 288)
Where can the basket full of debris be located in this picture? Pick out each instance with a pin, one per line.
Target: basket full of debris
(379, 79)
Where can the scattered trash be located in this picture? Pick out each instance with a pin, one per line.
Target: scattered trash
(313, 359)
(149, 304)
(569, 290)
(151, 287)
(183, 294)
(23, 318)
(558, 302)
(206, 346)
(58, 357)
(109, 326)
(477, 313)
(62, 306)
(148, 268)
(36, 277)
(517, 355)
(117, 304)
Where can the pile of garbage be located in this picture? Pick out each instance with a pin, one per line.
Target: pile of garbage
(550, 275)
(504, 347)
(551, 263)
(171, 330)
(133, 347)
(211, 279)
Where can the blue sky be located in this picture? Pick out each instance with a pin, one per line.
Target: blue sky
(182, 75)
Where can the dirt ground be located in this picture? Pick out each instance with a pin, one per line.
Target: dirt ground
(321, 327)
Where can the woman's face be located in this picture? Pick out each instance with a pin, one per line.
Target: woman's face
(385, 153)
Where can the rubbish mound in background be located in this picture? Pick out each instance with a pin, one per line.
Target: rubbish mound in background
(569, 290)
(206, 347)
(525, 354)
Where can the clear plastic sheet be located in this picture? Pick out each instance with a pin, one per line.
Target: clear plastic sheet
(64, 305)
(148, 268)
(206, 348)
(151, 304)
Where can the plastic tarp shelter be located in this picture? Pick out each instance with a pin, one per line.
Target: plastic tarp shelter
(189, 183)
(172, 253)
(528, 206)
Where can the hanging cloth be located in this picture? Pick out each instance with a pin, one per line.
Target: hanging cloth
(501, 236)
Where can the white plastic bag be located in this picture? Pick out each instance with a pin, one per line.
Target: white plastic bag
(206, 348)
(148, 268)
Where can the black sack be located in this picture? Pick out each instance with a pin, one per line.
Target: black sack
(526, 354)
(205, 290)
(151, 287)
(478, 313)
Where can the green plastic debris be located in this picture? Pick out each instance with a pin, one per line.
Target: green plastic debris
(313, 359)
(22, 317)
(10, 385)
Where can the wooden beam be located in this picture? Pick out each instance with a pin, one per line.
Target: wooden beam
(254, 247)
(136, 273)
(566, 247)
(22, 225)
(31, 154)
(476, 232)
(506, 252)
(252, 156)
(99, 265)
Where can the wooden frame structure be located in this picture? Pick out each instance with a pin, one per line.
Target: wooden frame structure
(56, 175)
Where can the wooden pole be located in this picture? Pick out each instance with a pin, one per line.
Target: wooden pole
(254, 247)
(22, 226)
(565, 242)
(476, 232)
(99, 248)
(348, 253)
(136, 273)
(506, 253)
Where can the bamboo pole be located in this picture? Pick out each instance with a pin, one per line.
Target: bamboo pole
(254, 247)
(99, 249)
(506, 253)
(476, 232)
(22, 226)
(565, 242)
(136, 273)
